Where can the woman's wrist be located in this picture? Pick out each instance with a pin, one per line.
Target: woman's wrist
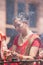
(19, 56)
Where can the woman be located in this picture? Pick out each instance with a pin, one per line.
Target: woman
(26, 44)
(3, 48)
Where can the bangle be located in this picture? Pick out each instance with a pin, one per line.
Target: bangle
(21, 57)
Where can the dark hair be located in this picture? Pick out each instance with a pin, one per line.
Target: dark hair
(22, 17)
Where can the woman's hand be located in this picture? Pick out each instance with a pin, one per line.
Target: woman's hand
(7, 55)
(7, 52)
(41, 54)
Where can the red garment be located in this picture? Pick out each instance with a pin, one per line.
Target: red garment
(21, 49)
(2, 38)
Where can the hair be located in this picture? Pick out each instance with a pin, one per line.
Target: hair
(22, 18)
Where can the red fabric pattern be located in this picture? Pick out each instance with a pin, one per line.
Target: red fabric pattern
(22, 48)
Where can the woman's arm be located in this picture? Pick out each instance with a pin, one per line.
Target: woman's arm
(20, 56)
(4, 50)
(34, 48)
(33, 51)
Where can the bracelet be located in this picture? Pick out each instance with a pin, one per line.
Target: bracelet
(20, 56)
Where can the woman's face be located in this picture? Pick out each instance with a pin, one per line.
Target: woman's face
(19, 26)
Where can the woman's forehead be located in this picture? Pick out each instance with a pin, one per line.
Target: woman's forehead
(20, 21)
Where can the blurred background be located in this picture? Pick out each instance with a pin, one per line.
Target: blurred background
(11, 8)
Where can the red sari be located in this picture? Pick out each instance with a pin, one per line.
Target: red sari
(21, 49)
